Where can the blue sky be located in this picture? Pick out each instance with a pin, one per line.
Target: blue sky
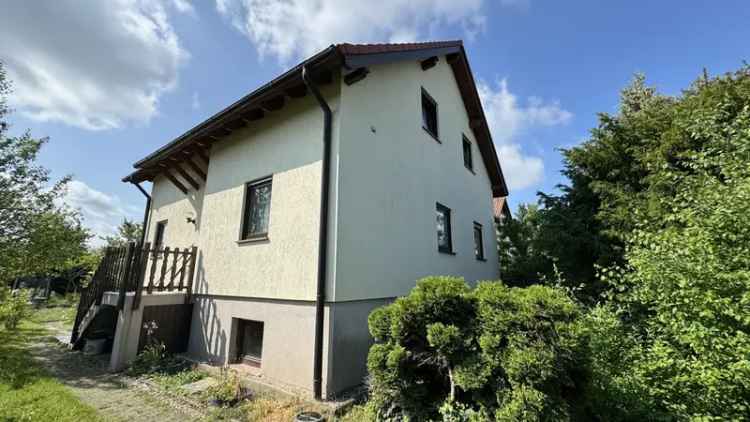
(109, 82)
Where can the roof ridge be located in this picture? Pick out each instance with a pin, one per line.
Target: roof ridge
(369, 48)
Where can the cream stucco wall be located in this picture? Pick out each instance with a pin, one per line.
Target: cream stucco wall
(391, 174)
(170, 204)
(286, 145)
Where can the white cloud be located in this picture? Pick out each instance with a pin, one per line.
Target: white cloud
(289, 29)
(98, 65)
(196, 103)
(508, 120)
(102, 213)
(184, 6)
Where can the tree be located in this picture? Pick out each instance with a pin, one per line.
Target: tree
(521, 260)
(611, 190)
(128, 231)
(685, 288)
(660, 194)
(560, 241)
(37, 234)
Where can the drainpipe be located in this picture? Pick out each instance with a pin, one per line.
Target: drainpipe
(145, 213)
(322, 235)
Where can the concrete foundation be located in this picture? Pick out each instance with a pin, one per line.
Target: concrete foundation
(130, 322)
(350, 342)
(288, 339)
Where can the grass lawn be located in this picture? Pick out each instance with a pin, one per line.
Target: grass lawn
(27, 392)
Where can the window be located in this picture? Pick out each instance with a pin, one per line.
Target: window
(445, 243)
(478, 245)
(429, 114)
(159, 234)
(249, 342)
(468, 163)
(257, 210)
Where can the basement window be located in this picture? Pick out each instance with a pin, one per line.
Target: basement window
(257, 210)
(249, 342)
(429, 115)
(445, 242)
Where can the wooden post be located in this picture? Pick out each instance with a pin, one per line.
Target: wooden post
(165, 258)
(183, 270)
(126, 268)
(152, 271)
(175, 255)
(140, 275)
(191, 274)
(103, 273)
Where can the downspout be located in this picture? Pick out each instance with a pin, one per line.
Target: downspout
(145, 213)
(322, 235)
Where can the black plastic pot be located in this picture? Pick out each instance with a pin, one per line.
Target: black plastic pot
(309, 417)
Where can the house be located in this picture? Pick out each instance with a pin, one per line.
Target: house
(313, 200)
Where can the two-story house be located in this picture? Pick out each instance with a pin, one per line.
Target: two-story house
(322, 195)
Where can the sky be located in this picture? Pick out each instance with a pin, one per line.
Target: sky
(109, 82)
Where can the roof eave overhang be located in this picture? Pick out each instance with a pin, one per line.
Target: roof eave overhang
(326, 60)
(355, 61)
(478, 122)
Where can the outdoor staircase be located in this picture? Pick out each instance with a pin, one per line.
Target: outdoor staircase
(123, 270)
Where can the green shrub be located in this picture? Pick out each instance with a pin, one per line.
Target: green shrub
(152, 359)
(14, 306)
(228, 389)
(494, 352)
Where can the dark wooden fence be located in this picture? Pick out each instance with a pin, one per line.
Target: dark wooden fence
(132, 269)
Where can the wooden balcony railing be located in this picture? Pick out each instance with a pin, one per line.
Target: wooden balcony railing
(135, 269)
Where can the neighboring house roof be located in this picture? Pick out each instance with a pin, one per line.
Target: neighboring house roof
(500, 208)
(272, 96)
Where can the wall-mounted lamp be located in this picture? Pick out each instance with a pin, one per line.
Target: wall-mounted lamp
(190, 217)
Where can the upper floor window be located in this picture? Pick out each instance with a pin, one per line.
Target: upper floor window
(429, 114)
(478, 244)
(257, 209)
(468, 161)
(445, 242)
(161, 226)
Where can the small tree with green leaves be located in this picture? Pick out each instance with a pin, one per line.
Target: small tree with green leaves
(14, 306)
(128, 231)
(37, 234)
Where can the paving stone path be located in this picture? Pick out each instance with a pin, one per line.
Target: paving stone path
(115, 396)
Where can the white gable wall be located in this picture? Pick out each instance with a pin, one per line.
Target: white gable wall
(171, 205)
(391, 174)
(287, 145)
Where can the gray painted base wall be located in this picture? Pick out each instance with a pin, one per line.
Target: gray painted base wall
(350, 342)
(288, 338)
